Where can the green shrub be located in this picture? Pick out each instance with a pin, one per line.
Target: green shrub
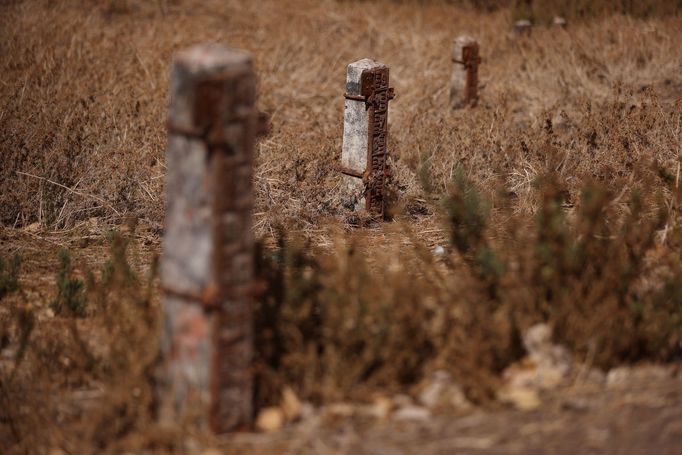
(70, 299)
(9, 275)
(339, 324)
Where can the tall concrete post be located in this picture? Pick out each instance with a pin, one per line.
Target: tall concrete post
(464, 81)
(207, 267)
(365, 132)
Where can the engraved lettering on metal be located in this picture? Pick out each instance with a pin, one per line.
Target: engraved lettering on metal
(377, 94)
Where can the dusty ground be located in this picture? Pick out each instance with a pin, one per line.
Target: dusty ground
(637, 411)
(641, 414)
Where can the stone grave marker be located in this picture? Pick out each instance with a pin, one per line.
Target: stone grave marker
(523, 27)
(207, 267)
(464, 82)
(365, 133)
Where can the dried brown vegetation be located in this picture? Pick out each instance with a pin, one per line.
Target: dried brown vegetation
(556, 199)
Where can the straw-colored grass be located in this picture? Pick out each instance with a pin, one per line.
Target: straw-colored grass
(84, 95)
(557, 199)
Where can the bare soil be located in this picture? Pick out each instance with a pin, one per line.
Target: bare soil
(641, 416)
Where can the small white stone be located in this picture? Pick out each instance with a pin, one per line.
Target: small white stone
(537, 337)
(439, 250)
(442, 392)
(559, 21)
(627, 375)
(33, 227)
(523, 398)
(551, 360)
(523, 26)
(270, 419)
(402, 400)
(618, 376)
(382, 407)
(412, 413)
(291, 405)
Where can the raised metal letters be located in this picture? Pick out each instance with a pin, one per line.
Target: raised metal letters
(377, 94)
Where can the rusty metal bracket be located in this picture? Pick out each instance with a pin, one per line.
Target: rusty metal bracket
(349, 96)
(467, 63)
(208, 298)
(353, 173)
(368, 99)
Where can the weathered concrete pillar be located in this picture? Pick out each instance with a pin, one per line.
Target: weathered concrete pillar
(560, 22)
(365, 132)
(523, 27)
(207, 268)
(464, 82)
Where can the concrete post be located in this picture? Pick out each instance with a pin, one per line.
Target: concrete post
(365, 132)
(560, 22)
(523, 27)
(207, 267)
(464, 82)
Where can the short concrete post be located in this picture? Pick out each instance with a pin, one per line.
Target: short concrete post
(207, 268)
(464, 82)
(523, 27)
(560, 22)
(365, 132)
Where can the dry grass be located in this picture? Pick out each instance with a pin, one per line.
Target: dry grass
(556, 199)
(84, 96)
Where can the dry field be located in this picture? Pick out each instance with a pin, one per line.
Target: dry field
(557, 199)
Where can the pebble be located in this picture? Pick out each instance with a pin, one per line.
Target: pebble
(522, 398)
(412, 413)
(270, 419)
(442, 392)
(291, 405)
(626, 375)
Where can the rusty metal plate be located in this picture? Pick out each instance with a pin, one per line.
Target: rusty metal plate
(375, 88)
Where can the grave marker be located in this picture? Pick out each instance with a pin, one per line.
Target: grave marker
(207, 269)
(365, 132)
(464, 82)
(560, 22)
(523, 27)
